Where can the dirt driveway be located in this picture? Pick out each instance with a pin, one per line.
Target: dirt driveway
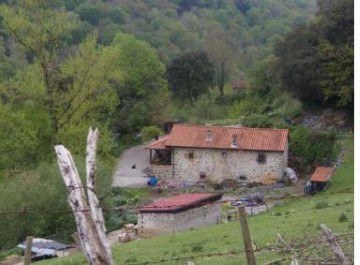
(129, 172)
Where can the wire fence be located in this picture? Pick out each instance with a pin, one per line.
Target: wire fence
(26, 211)
(306, 251)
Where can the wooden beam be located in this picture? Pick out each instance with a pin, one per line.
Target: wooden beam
(336, 248)
(27, 258)
(250, 257)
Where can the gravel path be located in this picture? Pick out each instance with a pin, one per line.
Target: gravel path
(129, 172)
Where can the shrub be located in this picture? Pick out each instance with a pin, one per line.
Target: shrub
(343, 217)
(312, 147)
(197, 248)
(150, 132)
(321, 204)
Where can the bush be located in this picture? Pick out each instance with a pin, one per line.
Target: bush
(321, 204)
(312, 147)
(197, 248)
(150, 132)
(343, 217)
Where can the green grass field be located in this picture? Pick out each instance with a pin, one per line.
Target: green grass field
(297, 220)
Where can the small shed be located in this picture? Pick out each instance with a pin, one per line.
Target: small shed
(320, 177)
(45, 248)
(179, 213)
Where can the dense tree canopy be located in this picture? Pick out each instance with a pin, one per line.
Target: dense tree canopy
(190, 75)
(316, 61)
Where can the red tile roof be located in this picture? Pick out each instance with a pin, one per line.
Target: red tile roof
(259, 139)
(322, 174)
(159, 144)
(180, 203)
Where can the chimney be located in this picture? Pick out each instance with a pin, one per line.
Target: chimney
(209, 136)
(234, 140)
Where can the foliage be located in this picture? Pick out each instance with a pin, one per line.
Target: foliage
(123, 197)
(312, 147)
(299, 63)
(38, 200)
(218, 49)
(14, 251)
(190, 75)
(316, 61)
(142, 93)
(321, 204)
(150, 132)
(343, 217)
(27, 134)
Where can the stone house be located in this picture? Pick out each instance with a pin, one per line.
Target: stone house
(216, 153)
(179, 213)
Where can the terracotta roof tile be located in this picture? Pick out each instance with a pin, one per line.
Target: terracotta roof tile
(159, 144)
(260, 139)
(180, 202)
(322, 174)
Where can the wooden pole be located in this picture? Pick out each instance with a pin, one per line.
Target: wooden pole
(27, 258)
(88, 215)
(331, 238)
(250, 257)
(96, 211)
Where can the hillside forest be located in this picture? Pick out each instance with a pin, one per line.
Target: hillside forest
(128, 66)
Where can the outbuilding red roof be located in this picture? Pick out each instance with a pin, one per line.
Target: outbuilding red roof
(198, 136)
(180, 203)
(159, 144)
(322, 174)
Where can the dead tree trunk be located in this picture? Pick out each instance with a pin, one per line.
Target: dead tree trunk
(92, 242)
(96, 211)
(330, 237)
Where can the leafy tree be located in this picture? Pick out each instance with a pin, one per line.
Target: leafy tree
(89, 12)
(190, 75)
(142, 92)
(316, 62)
(40, 27)
(336, 20)
(220, 54)
(298, 62)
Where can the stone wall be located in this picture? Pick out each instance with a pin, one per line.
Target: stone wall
(174, 222)
(162, 171)
(217, 164)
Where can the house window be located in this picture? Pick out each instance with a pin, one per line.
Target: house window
(234, 141)
(223, 154)
(242, 177)
(261, 158)
(202, 175)
(190, 155)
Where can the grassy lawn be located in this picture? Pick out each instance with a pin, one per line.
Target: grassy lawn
(296, 220)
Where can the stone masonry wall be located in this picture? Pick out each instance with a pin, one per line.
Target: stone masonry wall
(174, 222)
(227, 164)
(162, 171)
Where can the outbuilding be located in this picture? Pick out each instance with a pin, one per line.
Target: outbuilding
(45, 249)
(320, 178)
(179, 213)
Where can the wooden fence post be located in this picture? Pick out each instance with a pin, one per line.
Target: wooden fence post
(250, 257)
(342, 259)
(27, 258)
